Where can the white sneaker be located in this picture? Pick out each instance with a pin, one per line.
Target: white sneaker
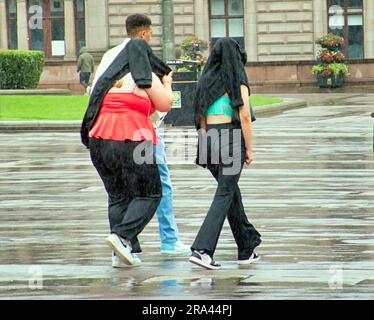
(121, 247)
(253, 258)
(179, 248)
(117, 263)
(204, 260)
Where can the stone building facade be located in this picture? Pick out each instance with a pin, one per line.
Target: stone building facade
(279, 36)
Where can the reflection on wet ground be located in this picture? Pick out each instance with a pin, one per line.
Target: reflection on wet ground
(310, 192)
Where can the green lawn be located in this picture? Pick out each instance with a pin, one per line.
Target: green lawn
(258, 101)
(42, 107)
(63, 107)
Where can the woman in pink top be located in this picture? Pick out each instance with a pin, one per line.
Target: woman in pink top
(121, 143)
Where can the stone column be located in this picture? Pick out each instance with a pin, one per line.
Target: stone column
(168, 39)
(22, 25)
(202, 19)
(369, 29)
(3, 26)
(250, 29)
(320, 17)
(97, 34)
(70, 43)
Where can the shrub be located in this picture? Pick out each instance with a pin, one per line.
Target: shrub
(193, 49)
(339, 68)
(332, 68)
(330, 40)
(327, 56)
(323, 70)
(20, 69)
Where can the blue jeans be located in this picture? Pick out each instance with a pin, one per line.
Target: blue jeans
(165, 212)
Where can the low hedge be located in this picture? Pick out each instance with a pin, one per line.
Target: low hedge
(20, 69)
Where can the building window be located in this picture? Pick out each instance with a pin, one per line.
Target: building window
(11, 10)
(47, 27)
(80, 26)
(226, 20)
(346, 20)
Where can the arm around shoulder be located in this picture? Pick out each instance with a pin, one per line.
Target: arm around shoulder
(160, 94)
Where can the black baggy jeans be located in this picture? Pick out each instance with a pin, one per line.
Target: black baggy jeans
(225, 149)
(134, 190)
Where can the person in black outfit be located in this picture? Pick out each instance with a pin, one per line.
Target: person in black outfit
(223, 119)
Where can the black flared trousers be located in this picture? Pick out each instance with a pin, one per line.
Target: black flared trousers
(134, 190)
(225, 156)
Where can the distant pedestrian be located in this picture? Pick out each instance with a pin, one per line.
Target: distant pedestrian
(85, 67)
(223, 118)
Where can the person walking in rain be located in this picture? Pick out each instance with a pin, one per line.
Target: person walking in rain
(134, 189)
(85, 67)
(223, 119)
(138, 26)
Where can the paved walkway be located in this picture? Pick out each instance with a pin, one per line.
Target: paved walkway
(310, 192)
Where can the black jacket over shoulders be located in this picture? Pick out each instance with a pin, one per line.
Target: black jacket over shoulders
(223, 72)
(137, 57)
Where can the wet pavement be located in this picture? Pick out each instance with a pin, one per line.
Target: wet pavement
(310, 193)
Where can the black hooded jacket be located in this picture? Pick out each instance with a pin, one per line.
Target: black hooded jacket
(223, 72)
(137, 57)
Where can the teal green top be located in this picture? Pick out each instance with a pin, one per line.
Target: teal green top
(220, 107)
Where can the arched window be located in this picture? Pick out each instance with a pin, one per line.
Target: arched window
(226, 20)
(346, 20)
(11, 10)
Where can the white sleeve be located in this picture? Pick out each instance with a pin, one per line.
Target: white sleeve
(157, 118)
(100, 70)
(107, 60)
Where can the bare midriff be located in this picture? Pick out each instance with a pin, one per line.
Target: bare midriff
(218, 119)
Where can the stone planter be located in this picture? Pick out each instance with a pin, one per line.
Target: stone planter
(185, 83)
(184, 76)
(322, 81)
(337, 80)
